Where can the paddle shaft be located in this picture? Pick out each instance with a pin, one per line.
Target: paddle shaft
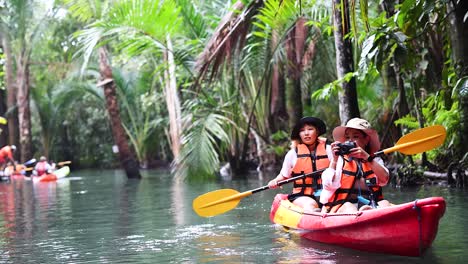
(248, 193)
(266, 187)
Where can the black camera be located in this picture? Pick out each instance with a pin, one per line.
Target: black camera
(345, 147)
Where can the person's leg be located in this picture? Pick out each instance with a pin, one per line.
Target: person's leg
(347, 208)
(307, 203)
(384, 203)
(365, 207)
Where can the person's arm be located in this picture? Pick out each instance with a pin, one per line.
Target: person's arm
(380, 171)
(286, 169)
(376, 164)
(49, 168)
(331, 177)
(9, 157)
(332, 154)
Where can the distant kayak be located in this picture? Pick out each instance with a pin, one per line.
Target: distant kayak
(17, 176)
(54, 176)
(14, 172)
(407, 229)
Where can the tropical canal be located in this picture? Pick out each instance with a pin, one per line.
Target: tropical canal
(96, 216)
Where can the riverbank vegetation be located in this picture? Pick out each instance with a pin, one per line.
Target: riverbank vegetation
(196, 84)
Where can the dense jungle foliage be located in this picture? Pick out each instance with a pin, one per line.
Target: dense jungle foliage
(195, 84)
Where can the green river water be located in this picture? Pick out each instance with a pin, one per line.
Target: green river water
(96, 216)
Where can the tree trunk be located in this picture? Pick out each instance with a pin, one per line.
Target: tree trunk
(172, 101)
(3, 128)
(293, 101)
(11, 90)
(3, 94)
(24, 110)
(295, 47)
(278, 114)
(459, 41)
(391, 76)
(126, 155)
(347, 97)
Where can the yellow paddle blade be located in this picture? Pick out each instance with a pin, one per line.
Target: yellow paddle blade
(421, 140)
(217, 202)
(3, 121)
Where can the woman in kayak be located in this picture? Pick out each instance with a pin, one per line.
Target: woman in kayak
(355, 177)
(308, 153)
(42, 167)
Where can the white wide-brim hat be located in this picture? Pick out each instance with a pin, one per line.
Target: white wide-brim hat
(361, 124)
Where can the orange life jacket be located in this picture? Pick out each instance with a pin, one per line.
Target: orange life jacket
(308, 162)
(5, 153)
(348, 179)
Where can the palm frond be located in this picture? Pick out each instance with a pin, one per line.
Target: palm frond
(133, 22)
(199, 155)
(195, 21)
(141, 15)
(228, 36)
(87, 10)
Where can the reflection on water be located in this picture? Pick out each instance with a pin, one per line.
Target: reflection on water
(101, 217)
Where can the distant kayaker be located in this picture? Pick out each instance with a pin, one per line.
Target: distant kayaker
(308, 153)
(14, 169)
(42, 167)
(6, 155)
(355, 177)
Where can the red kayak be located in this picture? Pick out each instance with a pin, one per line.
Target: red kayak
(17, 176)
(54, 176)
(407, 229)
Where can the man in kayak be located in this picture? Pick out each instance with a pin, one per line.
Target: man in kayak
(42, 167)
(355, 177)
(308, 153)
(6, 155)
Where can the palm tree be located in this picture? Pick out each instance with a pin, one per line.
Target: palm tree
(21, 24)
(126, 155)
(139, 106)
(133, 24)
(89, 38)
(281, 43)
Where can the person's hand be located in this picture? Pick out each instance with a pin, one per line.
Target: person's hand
(273, 184)
(359, 153)
(335, 148)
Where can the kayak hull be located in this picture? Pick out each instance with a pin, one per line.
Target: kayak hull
(407, 229)
(56, 175)
(17, 176)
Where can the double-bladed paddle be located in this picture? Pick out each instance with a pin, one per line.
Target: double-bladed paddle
(30, 162)
(221, 201)
(62, 163)
(418, 141)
